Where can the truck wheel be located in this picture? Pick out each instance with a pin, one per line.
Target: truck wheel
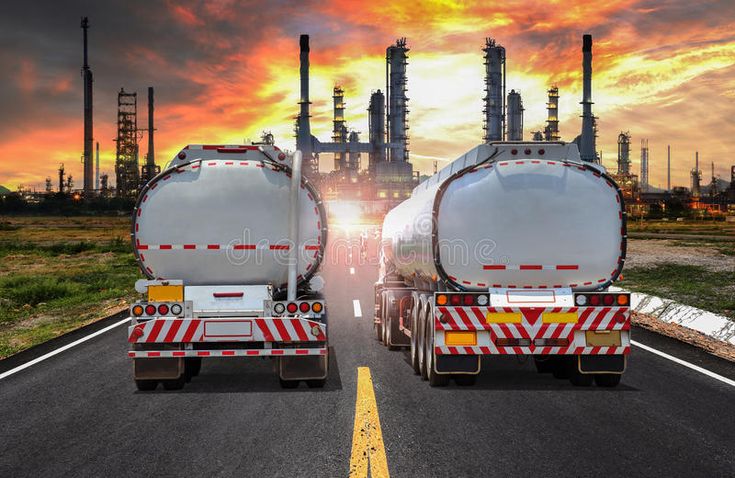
(389, 335)
(560, 367)
(544, 364)
(192, 367)
(435, 379)
(578, 378)
(317, 383)
(174, 384)
(146, 385)
(608, 380)
(289, 383)
(465, 380)
(414, 345)
(378, 331)
(421, 348)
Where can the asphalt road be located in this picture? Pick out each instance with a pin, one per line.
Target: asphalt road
(79, 414)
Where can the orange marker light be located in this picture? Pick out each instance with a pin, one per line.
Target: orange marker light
(441, 299)
(623, 299)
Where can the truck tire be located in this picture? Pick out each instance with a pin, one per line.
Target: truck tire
(414, 343)
(544, 364)
(560, 368)
(192, 367)
(174, 384)
(378, 331)
(146, 385)
(435, 379)
(316, 383)
(289, 383)
(577, 378)
(608, 380)
(421, 348)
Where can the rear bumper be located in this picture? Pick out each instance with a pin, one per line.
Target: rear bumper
(591, 331)
(227, 329)
(166, 337)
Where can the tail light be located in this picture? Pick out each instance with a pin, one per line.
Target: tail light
(150, 309)
(176, 309)
(317, 307)
(162, 309)
(304, 307)
(137, 310)
(465, 299)
(279, 308)
(292, 307)
(596, 299)
(504, 342)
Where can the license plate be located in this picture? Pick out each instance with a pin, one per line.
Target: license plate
(607, 338)
(227, 329)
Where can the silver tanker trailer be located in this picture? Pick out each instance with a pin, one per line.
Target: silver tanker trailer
(508, 250)
(230, 239)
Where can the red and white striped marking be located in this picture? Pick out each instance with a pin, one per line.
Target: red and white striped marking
(530, 350)
(226, 353)
(530, 267)
(262, 329)
(530, 329)
(222, 247)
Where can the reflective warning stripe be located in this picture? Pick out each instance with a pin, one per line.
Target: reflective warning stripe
(262, 329)
(138, 354)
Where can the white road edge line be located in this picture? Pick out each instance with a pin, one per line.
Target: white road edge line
(684, 363)
(61, 349)
(358, 309)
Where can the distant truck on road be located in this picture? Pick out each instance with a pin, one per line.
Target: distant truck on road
(508, 250)
(229, 239)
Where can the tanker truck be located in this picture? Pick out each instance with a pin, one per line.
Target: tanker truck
(508, 250)
(229, 239)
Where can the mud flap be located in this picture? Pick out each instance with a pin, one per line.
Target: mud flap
(602, 363)
(158, 368)
(303, 368)
(469, 364)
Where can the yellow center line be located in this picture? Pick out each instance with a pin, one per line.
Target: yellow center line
(368, 450)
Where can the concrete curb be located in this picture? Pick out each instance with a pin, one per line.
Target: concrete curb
(708, 323)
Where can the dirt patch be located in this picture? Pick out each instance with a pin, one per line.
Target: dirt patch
(651, 252)
(676, 331)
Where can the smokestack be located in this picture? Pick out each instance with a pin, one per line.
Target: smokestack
(494, 91)
(588, 151)
(515, 116)
(151, 159)
(97, 172)
(303, 137)
(88, 133)
(668, 167)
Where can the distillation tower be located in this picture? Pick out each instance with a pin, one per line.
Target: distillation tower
(494, 124)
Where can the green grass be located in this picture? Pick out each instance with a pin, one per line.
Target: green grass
(691, 285)
(55, 279)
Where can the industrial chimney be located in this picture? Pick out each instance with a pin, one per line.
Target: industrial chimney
(395, 71)
(494, 91)
(515, 116)
(151, 158)
(587, 147)
(88, 133)
(303, 134)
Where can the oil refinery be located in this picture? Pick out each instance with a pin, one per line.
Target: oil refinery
(373, 175)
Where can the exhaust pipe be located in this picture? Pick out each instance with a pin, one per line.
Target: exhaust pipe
(293, 225)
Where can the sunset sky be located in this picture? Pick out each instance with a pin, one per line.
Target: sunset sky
(226, 70)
